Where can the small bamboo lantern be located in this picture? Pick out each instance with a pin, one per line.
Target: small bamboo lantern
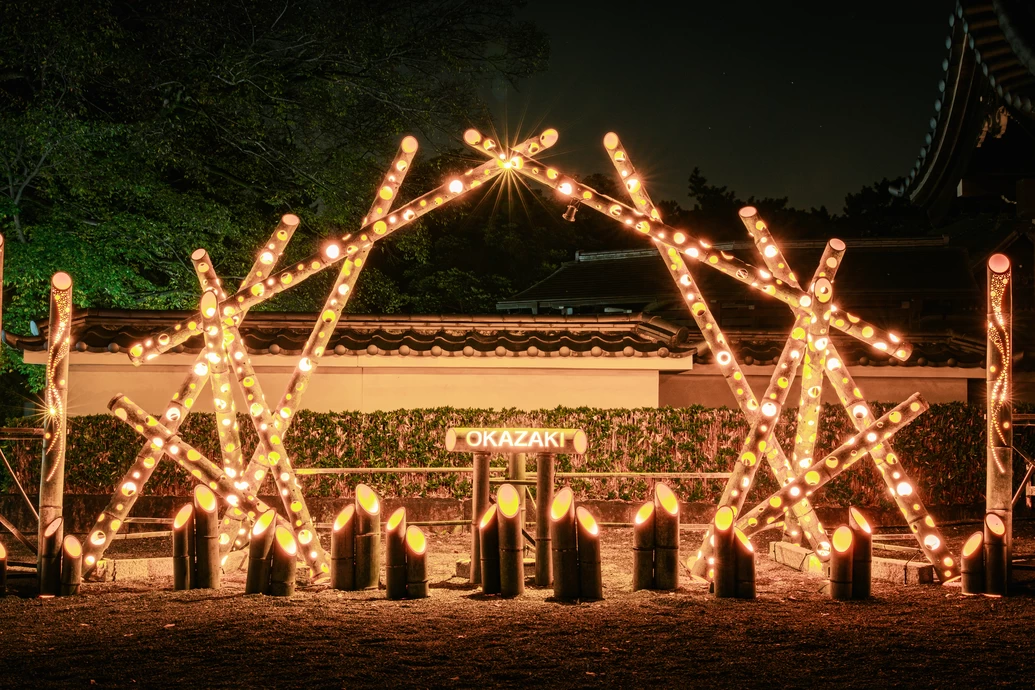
(511, 542)
(995, 555)
(343, 549)
(50, 559)
(972, 567)
(3, 571)
(591, 585)
(71, 566)
(841, 563)
(285, 563)
(862, 554)
(666, 538)
(489, 550)
(368, 538)
(183, 548)
(563, 538)
(260, 554)
(744, 556)
(724, 554)
(395, 555)
(643, 547)
(206, 538)
(416, 563)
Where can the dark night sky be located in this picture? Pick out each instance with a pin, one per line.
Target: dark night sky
(809, 100)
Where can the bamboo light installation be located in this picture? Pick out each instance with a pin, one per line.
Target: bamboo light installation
(206, 539)
(744, 556)
(260, 554)
(395, 555)
(862, 554)
(666, 538)
(52, 471)
(724, 557)
(479, 504)
(998, 384)
(71, 566)
(564, 540)
(343, 549)
(49, 559)
(368, 538)
(488, 534)
(591, 584)
(841, 563)
(643, 547)
(3, 570)
(972, 564)
(183, 548)
(544, 479)
(511, 541)
(416, 563)
(284, 564)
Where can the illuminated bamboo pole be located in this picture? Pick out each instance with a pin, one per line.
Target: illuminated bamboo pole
(395, 555)
(996, 566)
(841, 563)
(416, 563)
(52, 470)
(972, 564)
(71, 566)
(516, 463)
(544, 479)
(862, 554)
(666, 538)
(892, 471)
(260, 554)
(767, 247)
(591, 584)
(343, 549)
(724, 567)
(643, 547)
(511, 542)
(206, 538)
(184, 572)
(630, 178)
(491, 148)
(489, 551)
(285, 563)
(2, 251)
(393, 179)
(744, 556)
(565, 545)
(479, 504)
(825, 469)
(49, 561)
(3, 570)
(368, 538)
(999, 390)
(114, 515)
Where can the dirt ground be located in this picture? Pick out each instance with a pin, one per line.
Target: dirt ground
(145, 634)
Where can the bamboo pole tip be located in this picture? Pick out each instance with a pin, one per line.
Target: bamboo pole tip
(723, 518)
(508, 499)
(409, 143)
(290, 219)
(415, 540)
(857, 519)
(580, 442)
(843, 538)
(611, 141)
(72, 547)
(644, 513)
(183, 516)
(748, 212)
(975, 542)
(587, 521)
(995, 524)
(55, 525)
(367, 499)
(341, 520)
(205, 498)
(61, 281)
(561, 505)
(398, 518)
(999, 263)
(199, 254)
(261, 525)
(286, 541)
(451, 434)
(549, 137)
(837, 245)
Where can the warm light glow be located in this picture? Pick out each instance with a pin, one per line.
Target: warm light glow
(205, 499)
(415, 540)
(668, 500)
(859, 520)
(367, 499)
(286, 541)
(52, 528)
(263, 523)
(561, 505)
(72, 547)
(586, 519)
(645, 513)
(744, 540)
(396, 519)
(995, 524)
(343, 518)
(973, 543)
(842, 539)
(183, 516)
(487, 516)
(723, 518)
(508, 500)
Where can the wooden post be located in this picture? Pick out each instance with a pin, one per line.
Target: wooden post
(368, 538)
(724, 568)
(544, 478)
(183, 548)
(841, 563)
(479, 504)
(206, 538)
(996, 565)
(744, 556)
(862, 554)
(52, 471)
(395, 555)
(260, 554)
(71, 566)
(666, 538)
(343, 549)
(416, 563)
(643, 547)
(285, 563)
(591, 585)
(489, 551)
(511, 541)
(564, 540)
(972, 567)
(999, 388)
(50, 558)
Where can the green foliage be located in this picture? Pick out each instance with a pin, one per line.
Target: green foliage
(943, 451)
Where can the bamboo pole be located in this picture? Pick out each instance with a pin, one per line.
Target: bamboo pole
(564, 540)
(996, 565)
(972, 564)
(479, 504)
(184, 572)
(544, 479)
(591, 584)
(516, 463)
(395, 555)
(206, 538)
(114, 515)
(841, 563)
(416, 563)
(260, 554)
(744, 556)
(862, 554)
(489, 551)
(285, 563)
(71, 566)
(343, 549)
(511, 541)
(724, 564)
(3, 571)
(52, 471)
(49, 561)
(999, 385)
(666, 538)
(643, 547)
(368, 538)
(767, 246)
(2, 251)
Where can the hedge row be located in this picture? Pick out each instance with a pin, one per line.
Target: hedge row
(943, 450)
